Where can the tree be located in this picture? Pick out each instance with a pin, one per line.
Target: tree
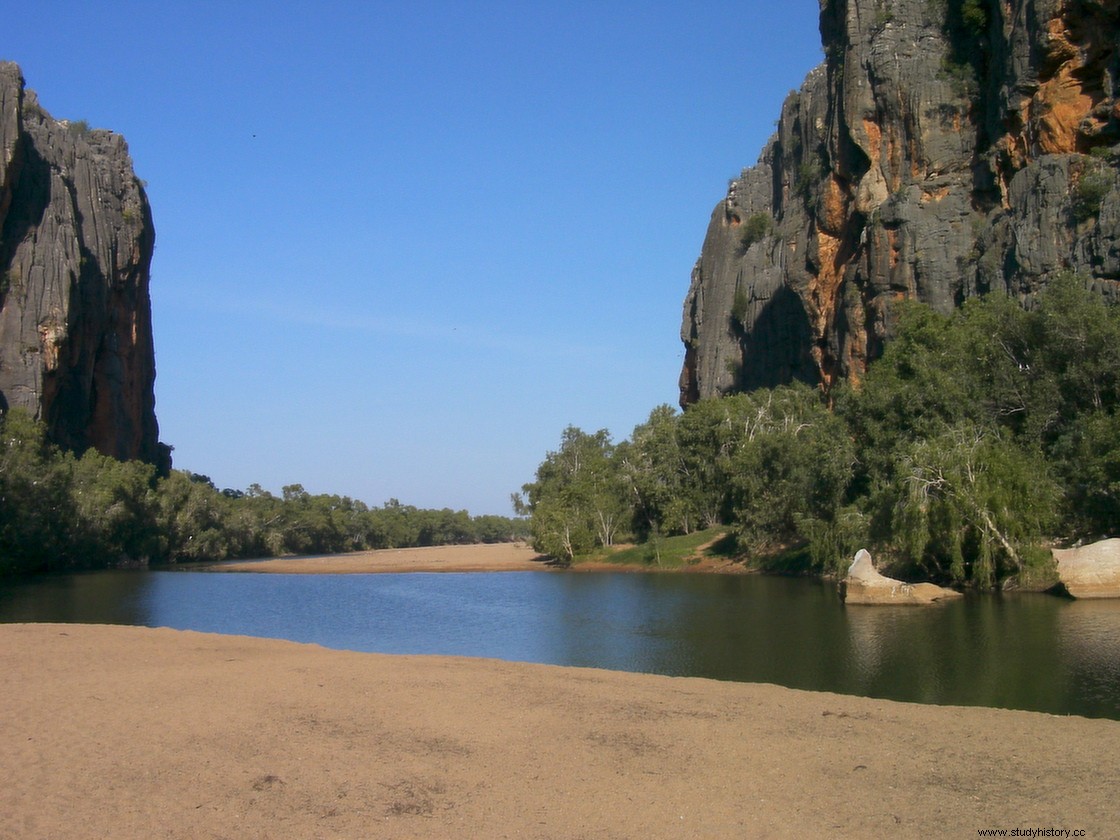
(490, 528)
(1078, 334)
(793, 464)
(924, 382)
(396, 525)
(191, 520)
(35, 501)
(708, 434)
(114, 506)
(1087, 460)
(308, 522)
(652, 467)
(579, 499)
(446, 527)
(970, 493)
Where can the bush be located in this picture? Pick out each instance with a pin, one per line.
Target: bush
(1088, 194)
(739, 308)
(807, 176)
(833, 543)
(975, 16)
(961, 75)
(756, 228)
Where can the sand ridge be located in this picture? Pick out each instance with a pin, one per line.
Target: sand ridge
(131, 732)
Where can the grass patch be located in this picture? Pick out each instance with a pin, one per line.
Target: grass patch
(668, 553)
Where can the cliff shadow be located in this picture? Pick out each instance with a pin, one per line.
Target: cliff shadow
(775, 349)
(31, 193)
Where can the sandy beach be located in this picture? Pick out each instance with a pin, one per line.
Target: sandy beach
(128, 732)
(475, 557)
(496, 557)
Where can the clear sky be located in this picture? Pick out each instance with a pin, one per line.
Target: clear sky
(401, 245)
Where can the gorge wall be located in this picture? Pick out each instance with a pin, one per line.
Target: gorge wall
(944, 149)
(76, 240)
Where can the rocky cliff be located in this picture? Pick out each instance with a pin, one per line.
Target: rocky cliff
(76, 241)
(944, 149)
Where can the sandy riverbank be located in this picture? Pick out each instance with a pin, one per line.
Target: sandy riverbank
(498, 557)
(130, 732)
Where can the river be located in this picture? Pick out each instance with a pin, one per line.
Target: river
(1024, 651)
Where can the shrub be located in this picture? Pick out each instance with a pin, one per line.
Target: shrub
(756, 228)
(10, 279)
(883, 16)
(975, 16)
(806, 177)
(739, 307)
(961, 75)
(1087, 195)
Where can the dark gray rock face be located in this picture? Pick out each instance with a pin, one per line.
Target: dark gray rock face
(76, 239)
(944, 149)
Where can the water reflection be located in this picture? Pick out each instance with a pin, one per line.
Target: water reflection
(1020, 651)
(115, 597)
(981, 650)
(1089, 645)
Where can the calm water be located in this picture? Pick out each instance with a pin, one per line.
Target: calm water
(1024, 651)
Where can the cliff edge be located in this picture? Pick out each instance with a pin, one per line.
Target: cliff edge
(76, 240)
(944, 149)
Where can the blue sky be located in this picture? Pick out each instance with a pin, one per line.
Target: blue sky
(401, 245)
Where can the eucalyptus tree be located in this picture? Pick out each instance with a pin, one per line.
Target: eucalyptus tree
(924, 382)
(35, 501)
(579, 499)
(791, 465)
(191, 518)
(115, 508)
(708, 435)
(655, 474)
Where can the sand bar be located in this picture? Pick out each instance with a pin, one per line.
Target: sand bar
(497, 557)
(129, 732)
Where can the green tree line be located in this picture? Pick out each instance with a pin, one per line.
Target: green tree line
(976, 441)
(61, 511)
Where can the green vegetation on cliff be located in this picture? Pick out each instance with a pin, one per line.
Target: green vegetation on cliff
(975, 440)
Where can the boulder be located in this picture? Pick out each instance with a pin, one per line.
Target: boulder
(1091, 571)
(864, 585)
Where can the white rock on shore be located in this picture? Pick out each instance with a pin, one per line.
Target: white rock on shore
(865, 585)
(1091, 571)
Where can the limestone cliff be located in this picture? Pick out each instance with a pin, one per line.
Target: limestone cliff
(76, 241)
(944, 149)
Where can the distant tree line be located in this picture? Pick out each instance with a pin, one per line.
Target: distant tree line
(61, 511)
(976, 441)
